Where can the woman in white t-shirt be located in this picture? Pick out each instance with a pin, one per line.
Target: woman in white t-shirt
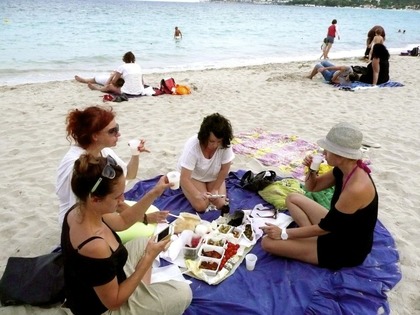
(205, 163)
(94, 130)
(132, 74)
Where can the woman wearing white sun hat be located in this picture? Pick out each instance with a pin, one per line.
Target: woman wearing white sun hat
(342, 236)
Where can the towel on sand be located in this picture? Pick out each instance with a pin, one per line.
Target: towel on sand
(283, 286)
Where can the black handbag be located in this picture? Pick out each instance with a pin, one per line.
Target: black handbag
(37, 281)
(250, 181)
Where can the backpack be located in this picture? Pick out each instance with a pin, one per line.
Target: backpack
(252, 182)
(414, 51)
(167, 86)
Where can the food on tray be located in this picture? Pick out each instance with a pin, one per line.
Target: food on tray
(189, 222)
(236, 233)
(231, 250)
(216, 242)
(209, 265)
(249, 234)
(224, 228)
(212, 254)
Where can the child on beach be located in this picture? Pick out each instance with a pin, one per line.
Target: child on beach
(331, 34)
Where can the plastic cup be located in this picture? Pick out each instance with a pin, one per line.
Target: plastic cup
(173, 178)
(250, 260)
(316, 162)
(134, 144)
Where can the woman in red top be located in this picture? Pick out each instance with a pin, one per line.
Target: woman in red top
(331, 34)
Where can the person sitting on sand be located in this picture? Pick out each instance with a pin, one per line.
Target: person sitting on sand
(339, 237)
(378, 68)
(378, 39)
(370, 35)
(101, 275)
(334, 74)
(94, 130)
(104, 81)
(132, 74)
(205, 163)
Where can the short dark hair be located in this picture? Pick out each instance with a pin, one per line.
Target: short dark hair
(334, 21)
(353, 77)
(129, 57)
(120, 82)
(219, 126)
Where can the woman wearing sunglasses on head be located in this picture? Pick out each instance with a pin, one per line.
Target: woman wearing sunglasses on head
(102, 276)
(93, 130)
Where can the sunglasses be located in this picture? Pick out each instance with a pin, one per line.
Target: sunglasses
(114, 131)
(107, 172)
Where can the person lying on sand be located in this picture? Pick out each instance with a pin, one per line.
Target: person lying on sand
(334, 74)
(105, 83)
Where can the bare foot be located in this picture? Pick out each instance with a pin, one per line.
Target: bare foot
(79, 79)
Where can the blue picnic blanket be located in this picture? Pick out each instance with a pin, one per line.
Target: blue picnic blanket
(361, 85)
(283, 286)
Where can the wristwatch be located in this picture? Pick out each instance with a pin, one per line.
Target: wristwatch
(284, 236)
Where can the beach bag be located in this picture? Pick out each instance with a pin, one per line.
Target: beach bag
(37, 281)
(167, 86)
(252, 182)
(414, 51)
(182, 90)
(277, 192)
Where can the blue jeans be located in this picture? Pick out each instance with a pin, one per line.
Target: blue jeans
(327, 74)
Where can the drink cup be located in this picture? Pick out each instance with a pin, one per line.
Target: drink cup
(173, 178)
(250, 260)
(316, 162)
(134, 144)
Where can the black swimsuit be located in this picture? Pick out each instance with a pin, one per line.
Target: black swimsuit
(351, 235)
(83, 273)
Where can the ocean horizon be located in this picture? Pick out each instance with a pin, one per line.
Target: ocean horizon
(46, 41)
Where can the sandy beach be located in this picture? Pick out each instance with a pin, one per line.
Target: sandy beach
(274, 97)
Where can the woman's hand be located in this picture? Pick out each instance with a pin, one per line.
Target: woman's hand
(307, 160)
(157, 217)
(272, 231)
(142, 147)
(162, 185)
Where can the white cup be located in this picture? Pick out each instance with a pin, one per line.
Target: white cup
(250, 260)
(173, 178)
(316, 162)
(134, 145)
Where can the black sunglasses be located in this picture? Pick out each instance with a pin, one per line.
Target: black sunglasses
(107, 172)
(114, 131)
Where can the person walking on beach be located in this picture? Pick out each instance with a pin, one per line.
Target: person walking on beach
(101, 274)
(331, 34)
(94, 130)
(339, 237)
(177, 33)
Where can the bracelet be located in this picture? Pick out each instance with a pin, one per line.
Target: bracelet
(145, 219)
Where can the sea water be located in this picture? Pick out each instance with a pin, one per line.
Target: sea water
(44, 40)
